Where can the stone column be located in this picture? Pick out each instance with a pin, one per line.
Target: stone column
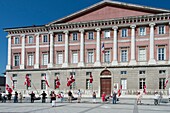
(37, 64)
(151, 60)
(8, 67)
(22, 66)
(50, 65)
(81, 63)
(65, 64)
(169, 44)
(133, 48)
(114, 62)
(98, 63)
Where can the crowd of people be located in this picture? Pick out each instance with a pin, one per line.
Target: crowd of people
(18, 97)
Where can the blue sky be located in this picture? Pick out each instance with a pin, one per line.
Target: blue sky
(17, 13)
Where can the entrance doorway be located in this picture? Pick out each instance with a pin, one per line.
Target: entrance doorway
(105, 82)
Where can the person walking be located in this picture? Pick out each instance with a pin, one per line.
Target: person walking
(156, 98)
(3, 97)
(16, 97)
(94, 97)
(32, 97)
(44, 97)
(20, 97)
(9, 96)
(79, 96)
(62, 97)
(114, 97)
(103, 97)
(139, 97)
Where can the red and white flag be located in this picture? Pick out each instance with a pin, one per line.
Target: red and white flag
(70, 80)
(46, 81)
(166, 81)
(8, 88)
(57, 82)
(27, 81)
(91, 78)
(119, 91)
(103, 49)
(144, 89)
(12, 83)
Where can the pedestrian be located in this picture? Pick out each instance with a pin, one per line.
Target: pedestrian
(20, 97)
(3, 97)
(62, 97)
(103, 97)
(16, 97)
(139, 97)
(32, 97)
(44, 97)
(9, 96)
(79, 96)
(70, 96)
(94, 97)
(114, 97)
(53, 98)
(156, 98)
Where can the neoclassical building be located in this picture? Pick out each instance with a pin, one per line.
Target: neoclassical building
(136, 44)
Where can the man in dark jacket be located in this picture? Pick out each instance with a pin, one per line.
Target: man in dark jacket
(44, 97)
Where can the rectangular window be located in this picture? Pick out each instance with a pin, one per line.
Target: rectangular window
(30, 39)
(43, 74)
(90, 35)
(88, 85)
(161, 29)
(59, 58)
(124, 56)
(124, 83)
(16, 60)
(75, 57)
(161, 83)
(142, 54)
(124, 33)
(57, 74)
(123, 72)
(17, 41)
(141, 72)
(107, 56)
(90, 57)
(60, 39)
(45, 38)
(14, 75)
(72, 73)
(73, 85)
(30, 59)
(15, 84)
(142, 31)
(43, 85)
(161, 53)
(45, 59)
(162, 71)
(88, 73)
(75, 36)
(141, 83)
(107, 34)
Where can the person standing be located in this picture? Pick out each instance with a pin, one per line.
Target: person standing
(79, 96)
(103, 97)
(44, 97)
(156, 98)
(9, 96)
(139, 97)
(94, 97)
(32, 97)
(3, 97)
(70, 96)
(20, 97)
(114, 97)
(62, 97)
(16, 97)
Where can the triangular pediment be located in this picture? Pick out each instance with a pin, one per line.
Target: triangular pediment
(108, 10)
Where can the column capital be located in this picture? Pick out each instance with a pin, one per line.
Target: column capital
(115, 27)
(23, 35)
(66, 32)
(8, 36)
(152, 24)
(133, 26)
(51, 32)
(81, 30)
(98, 29)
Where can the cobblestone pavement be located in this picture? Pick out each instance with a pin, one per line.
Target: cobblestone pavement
(86, 106)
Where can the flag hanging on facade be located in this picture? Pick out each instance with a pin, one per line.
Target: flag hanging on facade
(70, 80)
(57, 82)
(8, 88)
(144, 89)
(103, 49)
(46, 81)
(91, 78)
(166, 82)
(27, 81)
(119, 91)
(12, 83)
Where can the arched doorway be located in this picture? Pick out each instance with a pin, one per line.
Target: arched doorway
(105, 82)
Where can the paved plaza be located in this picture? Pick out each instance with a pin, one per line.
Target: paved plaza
(125, 105)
